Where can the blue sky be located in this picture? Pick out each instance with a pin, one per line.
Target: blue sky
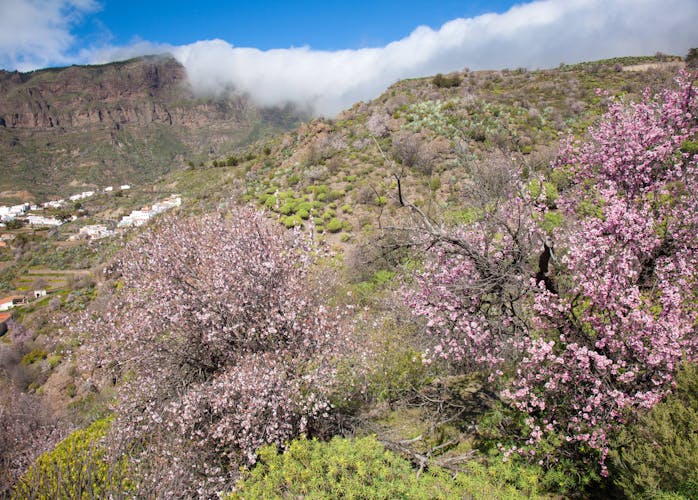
(326, 55)
(322, 25)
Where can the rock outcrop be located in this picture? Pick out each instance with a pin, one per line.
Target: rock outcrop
(120, 122)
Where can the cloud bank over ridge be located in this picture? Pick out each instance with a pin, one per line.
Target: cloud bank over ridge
(538, 34)
(534, 35)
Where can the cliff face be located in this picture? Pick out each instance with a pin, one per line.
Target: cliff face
(136, 92)
(121, 122)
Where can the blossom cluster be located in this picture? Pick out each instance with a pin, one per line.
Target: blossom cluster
(219, 346)
(607, 339)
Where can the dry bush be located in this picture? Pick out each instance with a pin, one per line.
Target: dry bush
(26, 431)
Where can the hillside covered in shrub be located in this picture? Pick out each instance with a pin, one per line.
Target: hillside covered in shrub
(478, 285)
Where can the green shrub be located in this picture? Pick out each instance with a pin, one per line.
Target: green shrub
(292, 221)
(77, 468)
(54, 360)
(335, 195)
(551, 220)
(270, 202)
(334, 225)
(435, 183)
(502, 426)
(659, 454)
(551, 193)
(442, 81)
(690, 147)
(287, 208)
(71, 390)
(34, 356)
(462, 216)
(305, 205)
(397, 368)
(346, 209)
(358, 468)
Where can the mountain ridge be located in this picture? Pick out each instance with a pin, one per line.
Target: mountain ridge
(124, 122)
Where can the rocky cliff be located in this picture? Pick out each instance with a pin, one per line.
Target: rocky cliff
(129, 122)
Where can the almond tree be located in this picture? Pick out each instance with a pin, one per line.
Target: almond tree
(581, 353)
(615, 337)
(219, 344)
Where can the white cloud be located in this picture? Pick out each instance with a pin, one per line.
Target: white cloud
(538, 34)
(137, 47)
(542, 33)
(36, 33)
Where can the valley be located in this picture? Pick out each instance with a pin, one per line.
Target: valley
(370, 292)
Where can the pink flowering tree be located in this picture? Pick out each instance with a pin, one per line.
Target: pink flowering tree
(470, 290)
(608, 336)
(218, 344)
(615, 338)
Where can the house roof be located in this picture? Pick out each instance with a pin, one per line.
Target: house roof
(4, 317)
(9, 298)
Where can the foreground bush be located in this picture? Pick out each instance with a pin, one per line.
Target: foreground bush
(221, 346)
(26, 431)
(659, 454)
(360, 468)
(76, 468)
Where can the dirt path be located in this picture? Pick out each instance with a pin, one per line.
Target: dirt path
(658, 65)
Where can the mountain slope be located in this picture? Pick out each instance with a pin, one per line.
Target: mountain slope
(125, 122)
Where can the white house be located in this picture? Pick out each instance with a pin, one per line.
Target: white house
(39, 293)
(125, 187)
(54, 204)
(136, 218)
(140, 217)
(81, 196)
(11, 301)
(9, 213)
(166, 204)
(40, 220)
(6, 303)
(95, 232)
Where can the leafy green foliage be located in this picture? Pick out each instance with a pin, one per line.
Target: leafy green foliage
(359, 468)
(77, 468)
(34, 356)
(334, 225)
(659, 454)
(690, 147)
(442, 81)
(564, 476)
